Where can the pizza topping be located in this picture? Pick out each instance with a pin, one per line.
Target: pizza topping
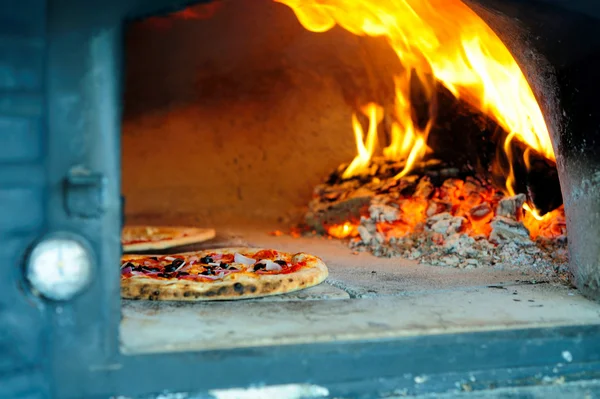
(152, 262)
(178, 263)
(175, 266)
(239, 258)
(212, 266)
(271, 266)
(206, 260)
(266, 254)
(169, 269)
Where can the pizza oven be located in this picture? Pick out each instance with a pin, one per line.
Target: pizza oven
(274, 123)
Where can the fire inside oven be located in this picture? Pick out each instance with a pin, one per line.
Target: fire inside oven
(401, 142)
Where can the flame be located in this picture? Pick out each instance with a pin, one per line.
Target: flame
(440, 38)
(365, 148)
(347, 229)
(477, 204)
(533, 212)
(551, 225)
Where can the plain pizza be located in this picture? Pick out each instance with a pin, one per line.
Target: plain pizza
(219, 274)
(145, 238)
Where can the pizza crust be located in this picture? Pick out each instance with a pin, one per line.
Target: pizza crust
(231, 287)
(193, 235)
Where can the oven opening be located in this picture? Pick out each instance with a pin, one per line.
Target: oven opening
(400, 142)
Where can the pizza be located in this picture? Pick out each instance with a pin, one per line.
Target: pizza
(219, 274)
(145, 238)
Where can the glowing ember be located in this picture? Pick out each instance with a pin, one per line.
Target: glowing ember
(440, 38)
(551, 225)
(471, 205)
(343, 230)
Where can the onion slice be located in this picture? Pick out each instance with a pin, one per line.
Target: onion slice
(270, 265)
(239, 258)
(180, 266)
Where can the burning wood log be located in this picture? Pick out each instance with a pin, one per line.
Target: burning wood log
(338, 200)
(511, 207)
(449, 210)
(465, 221)
(507, 230)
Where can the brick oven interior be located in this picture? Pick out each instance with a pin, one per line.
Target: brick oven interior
(230, 122)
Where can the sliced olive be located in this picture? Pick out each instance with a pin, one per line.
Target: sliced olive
(281, 262)
(232, 268)
(206, 259)
(207, 272)
(177, 262)
(224, 265)
(182, 274)
(153, 258)
(259, 266)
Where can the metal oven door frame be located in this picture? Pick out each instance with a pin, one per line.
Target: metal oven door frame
(70, 349)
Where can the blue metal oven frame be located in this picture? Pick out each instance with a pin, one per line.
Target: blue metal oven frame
(60, 96)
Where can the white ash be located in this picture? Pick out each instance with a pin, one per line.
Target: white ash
(450, 248)
(506, 230)
(444, 223)
(441, 239)
(383, 213)
(511, 207)
(368, 233)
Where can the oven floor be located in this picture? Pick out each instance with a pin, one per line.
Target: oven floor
(364, 297)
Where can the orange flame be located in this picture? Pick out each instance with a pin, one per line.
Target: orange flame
(551, 225)
(365, 148)
(440, 38)
(347, 229)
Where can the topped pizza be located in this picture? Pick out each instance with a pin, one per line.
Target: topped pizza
(219, 274)
(144, 238)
